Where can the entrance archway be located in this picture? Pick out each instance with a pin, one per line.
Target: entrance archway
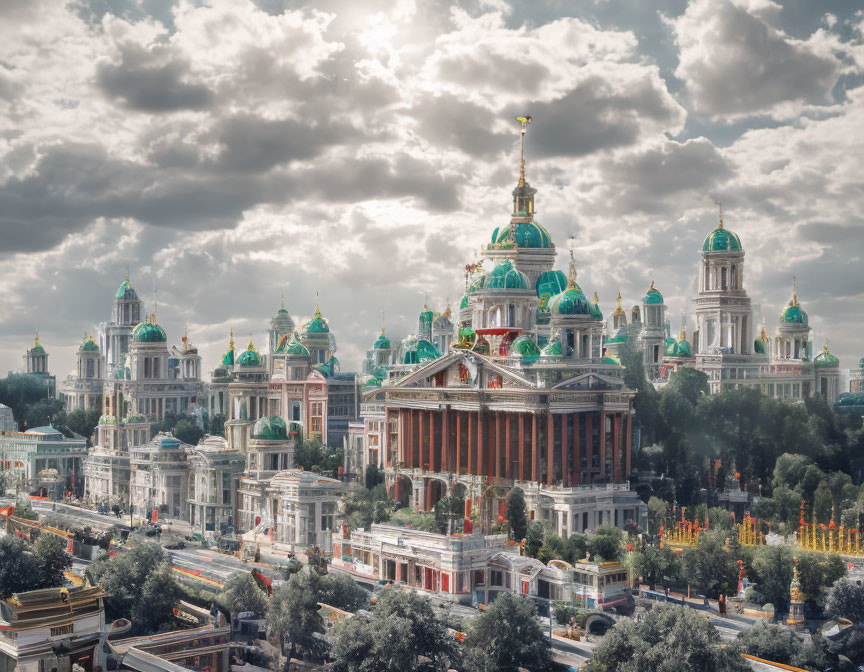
(403, 490)
(435, 490)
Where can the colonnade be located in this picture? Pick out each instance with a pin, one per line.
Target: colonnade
(552, 448)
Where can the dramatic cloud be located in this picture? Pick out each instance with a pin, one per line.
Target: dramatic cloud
(734, 62)
(228, 152)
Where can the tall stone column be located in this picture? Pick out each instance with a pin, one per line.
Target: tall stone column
(458, 469)
(565, 445)
(616, 451)
(577, 449)
(445, 439)
(521, 446)
(535, 450)
(507, 455)
(628, 446)
(481, 447)
(471, 461)
(589, 445)
(602, 445)
(421, 440)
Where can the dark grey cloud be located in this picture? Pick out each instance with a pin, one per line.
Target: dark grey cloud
(597, 115)
(152, 80)
(645, 180)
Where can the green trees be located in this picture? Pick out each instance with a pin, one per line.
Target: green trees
(129, 578)
(709, 564)
(506, 637)
(362, 507)
(19, 392)
(293, 614)
(606, 544)
(17, 566)
(183, 427)
(313, 456)
(342, 592)
(402, 628)
(846, 600)
(52, 560)
(657, 565)
(242, 593)
(667, 639)
(772, 572)
(517, 514)
(770, 642)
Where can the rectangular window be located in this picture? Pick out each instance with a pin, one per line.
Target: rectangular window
(62, 630)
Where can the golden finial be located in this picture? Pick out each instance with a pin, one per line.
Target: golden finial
(825, 348)
(383, 324)
(595, 297)
(720, 213)
(763, 336)
(524, 121)
(185, 338)
(571, 280)
(682, 336)
(231, 339)
(251, 345)
(36, 342)
(652, 285)
(794, 291)
(317, 307)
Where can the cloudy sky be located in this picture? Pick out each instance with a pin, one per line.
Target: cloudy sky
(229, 151)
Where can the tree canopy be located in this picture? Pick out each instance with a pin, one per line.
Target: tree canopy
(506, 637)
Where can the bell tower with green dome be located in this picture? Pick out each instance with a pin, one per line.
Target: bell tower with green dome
(524, 240)
(723, 341)
(793, 333)
(653, 333)
(116, 335)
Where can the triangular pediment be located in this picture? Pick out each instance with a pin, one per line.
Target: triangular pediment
(590, 380)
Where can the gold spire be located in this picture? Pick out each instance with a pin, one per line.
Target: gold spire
(251, 345)
(595, 297)
(524, 121)
(231, 339)
(36, 342)
(383, 324)
(571, 279)
(652, 285)
(185, 338)
(317, 307)
(720, 213)
(794, 291)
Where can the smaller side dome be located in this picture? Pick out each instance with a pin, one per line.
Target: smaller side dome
(684, 349)
(505, 276)
(464, 302)
(721, 240)
(826, 359)
(148, 332)
(653, 295)
(329, 368)
(524, 347)
(382, 342)
(569, 302)
(250, 356)
(88, 344)
(125, 291)
(594, 308)
(270, 428)
(671, 349)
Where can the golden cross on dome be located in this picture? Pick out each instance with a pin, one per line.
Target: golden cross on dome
(619, 299)
(36, 342)
(251, 345)
(317, 307)
(524, 121)
(231, 339)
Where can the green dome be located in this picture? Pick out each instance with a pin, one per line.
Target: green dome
(426, 316)
(464, 302)
(671, 349)
(249, 358)
(419, 351)
(526, 234)
(684, 348)
(317, 325)
(653, 295)
(550, 283)
(570, 302)
(525, 348)
(125, 291)
(721, 240)
(149, 332)
(270, 429)
(505, 276)
(228, 357)
(107, 419)
(608, 359)
(826, 359)
(289, 345)
(371, 381)
(552, 349)
(89, 345)
(759, 346)
(793, 314)
(382, 342)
